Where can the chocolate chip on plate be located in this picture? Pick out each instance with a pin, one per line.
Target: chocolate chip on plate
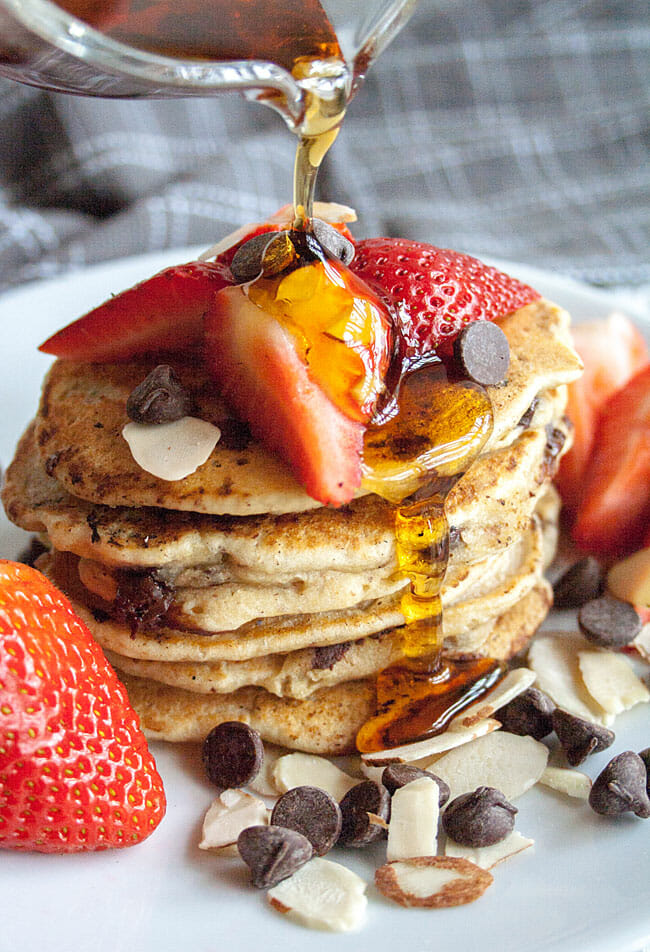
(483, 353)
(365, 798)
(609, 622)
(272, 853)
(622, 787)
(398, 775)
(160, 398)
(645, 757)
(333, 241)
(480, 818)
(580, 738)
(582, 582)
(269, 253)
(232, 754)
(529, 714)
(312, 812)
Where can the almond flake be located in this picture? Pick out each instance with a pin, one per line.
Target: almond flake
(610, 680)
(432, 881)
(554, 659)
(298, 770)
(508, 762)
(514, 683)
(641, 643)
(171, 451)
(422, 749)
(232, 812)
(322, 895)
(263, 782)
(629, 579)
(413, 826)
(572, 782)
(488, 856)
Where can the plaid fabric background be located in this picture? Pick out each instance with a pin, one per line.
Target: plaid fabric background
(511, 128)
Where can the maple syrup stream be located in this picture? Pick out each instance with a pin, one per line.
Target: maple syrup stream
(438, 426)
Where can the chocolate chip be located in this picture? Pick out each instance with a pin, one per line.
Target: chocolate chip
(333, 241)
(527, 418)
(366, 797)
(32, 551)
(142, 600)
(312, 812)
(398, 775)
(622, 787)
(482, 351)
(269, 253)
(609, 622)
(581, 583)
(326, 656)
(645, 757)
(580, 738)
(232, 754)
(160, 398)
(272, 853)
(480, 818)
(528, 714)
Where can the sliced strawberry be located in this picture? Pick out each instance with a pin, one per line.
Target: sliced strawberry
(256, 364)
(614, 514)
(75, 770)
(162, 314)
(435, 292)
(613, 351)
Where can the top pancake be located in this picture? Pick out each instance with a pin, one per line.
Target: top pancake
(82, 414)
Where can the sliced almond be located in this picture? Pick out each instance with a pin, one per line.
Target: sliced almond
(263, 782)
(629, 579)
(572, 782)
(553, 656)
(641, 643)
(171, 451)
(297, 770)
(232, 812)
(413, 826)
(322, 895)
(371, 772)
(432, 881)
(514, 683)
(422, 749)
(508, 762)
(488, 856)
(610, 680)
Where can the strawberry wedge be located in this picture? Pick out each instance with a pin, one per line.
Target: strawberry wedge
(260, 374)
(160, 315)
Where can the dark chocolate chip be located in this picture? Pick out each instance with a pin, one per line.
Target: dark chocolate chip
(529, 714)
(527, 418)
(312, 812)
(645, 757)
(160, 398)
(483, 352)
(366, 797)
(581, 583)
(580, 738)
(622, 787)
(333, 241)
(269, 253)
(32, 551)
(609, 622)
(232, 754)
(272, 853)
(480, 818)
(326, 656)
(142, 600)
(398, 775)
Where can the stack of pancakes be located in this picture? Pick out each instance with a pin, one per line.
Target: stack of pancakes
(231, 594)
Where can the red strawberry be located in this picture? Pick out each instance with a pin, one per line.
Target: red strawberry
(613, 351)
(615, 510)
(435, 292)
(306, 394)
(75, 770)
(162, 314)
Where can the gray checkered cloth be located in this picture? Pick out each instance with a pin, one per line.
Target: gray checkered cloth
(511, 128)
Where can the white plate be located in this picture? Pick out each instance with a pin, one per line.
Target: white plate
(583, 887)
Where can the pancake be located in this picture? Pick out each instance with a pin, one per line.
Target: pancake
(327, 722)
(81, 416)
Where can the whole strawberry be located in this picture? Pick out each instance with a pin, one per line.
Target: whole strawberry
(435, 292)
(75, 770)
